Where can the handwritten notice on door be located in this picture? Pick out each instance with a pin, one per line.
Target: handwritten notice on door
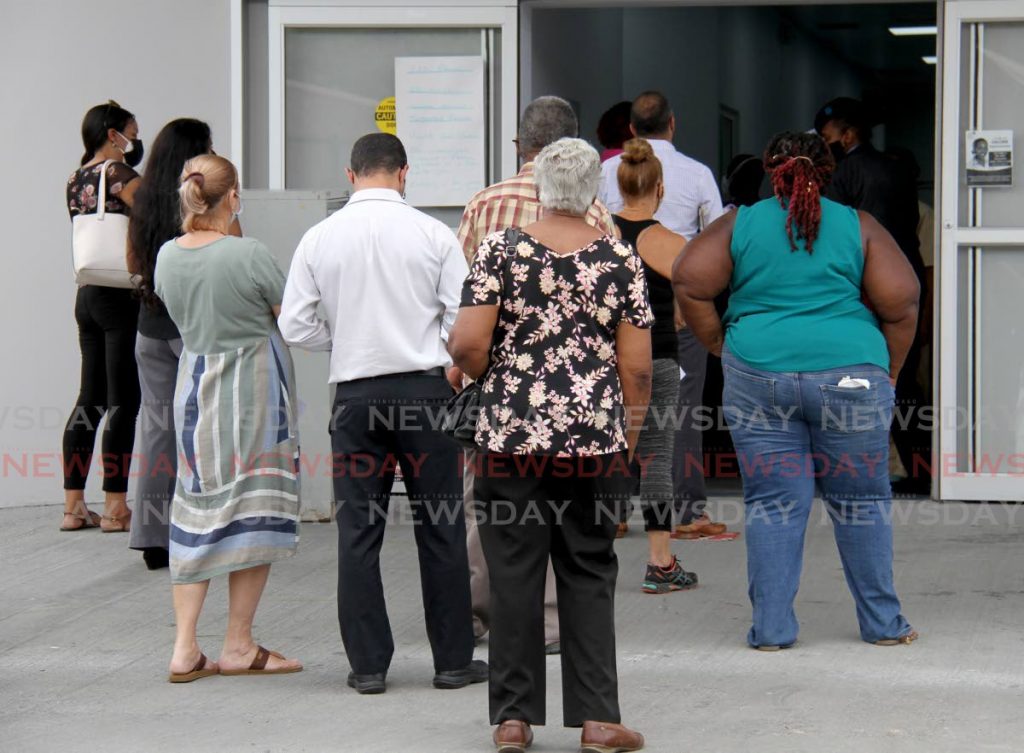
(440, 116)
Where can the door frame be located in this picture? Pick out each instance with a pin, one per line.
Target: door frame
(952, 484)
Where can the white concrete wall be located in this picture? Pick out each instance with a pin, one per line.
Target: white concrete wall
(161, 60)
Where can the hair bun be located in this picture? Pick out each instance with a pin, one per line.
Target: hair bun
(637, 151)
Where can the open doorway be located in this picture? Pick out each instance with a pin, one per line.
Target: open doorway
(737, 75)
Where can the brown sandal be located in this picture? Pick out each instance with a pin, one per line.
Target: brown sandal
(198, 672)
(259, 664)
(903, 640)
(89, 520)
(119, 523)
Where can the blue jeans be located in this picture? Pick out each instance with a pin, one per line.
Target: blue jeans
(793, 430)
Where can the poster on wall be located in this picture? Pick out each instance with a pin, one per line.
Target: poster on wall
(989, 158)
(439, 106)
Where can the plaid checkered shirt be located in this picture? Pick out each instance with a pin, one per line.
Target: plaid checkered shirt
(513, 203)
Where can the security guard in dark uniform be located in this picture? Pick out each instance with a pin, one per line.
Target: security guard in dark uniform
(869, 180)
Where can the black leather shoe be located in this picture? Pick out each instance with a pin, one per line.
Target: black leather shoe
(453, 679)
(367, 684)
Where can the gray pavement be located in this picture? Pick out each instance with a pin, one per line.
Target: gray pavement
(86, 630)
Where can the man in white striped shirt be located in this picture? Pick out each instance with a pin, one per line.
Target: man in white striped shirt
(692, 200)
(691, 203)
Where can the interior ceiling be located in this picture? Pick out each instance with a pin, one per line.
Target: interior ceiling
(860, 35)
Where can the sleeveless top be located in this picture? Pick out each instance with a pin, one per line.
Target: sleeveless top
(663, 333)
(793, 311)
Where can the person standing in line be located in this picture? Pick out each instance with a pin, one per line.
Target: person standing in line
(822, 313)
(691, 202)
(866, 179)
(107, 319)
(380, 266)
(236, 501)
(554, 321)
(613, 129)
(156, 219)
(743, 179)
(642, 187)
(514, 202)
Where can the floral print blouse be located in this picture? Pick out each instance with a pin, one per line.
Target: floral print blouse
(84, 187)
(552, 387)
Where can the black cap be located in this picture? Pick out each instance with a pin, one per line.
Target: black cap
(847, 109)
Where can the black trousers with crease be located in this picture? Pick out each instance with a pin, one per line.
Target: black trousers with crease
(378, 424)
(530, 508)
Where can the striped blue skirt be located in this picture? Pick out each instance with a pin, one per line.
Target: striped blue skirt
(236, 500)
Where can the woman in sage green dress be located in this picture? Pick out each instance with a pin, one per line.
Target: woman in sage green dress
(236, 500)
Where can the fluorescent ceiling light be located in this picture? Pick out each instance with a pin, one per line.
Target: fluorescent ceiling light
(913, 31)
(930, 59)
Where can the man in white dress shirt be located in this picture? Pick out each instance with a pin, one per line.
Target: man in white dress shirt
(691, 203)
(389, 278)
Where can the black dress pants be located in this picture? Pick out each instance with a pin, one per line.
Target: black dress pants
(107, 322)
(530, 508)
(378, 424)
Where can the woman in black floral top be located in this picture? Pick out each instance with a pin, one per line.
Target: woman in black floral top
(555, 321)
(106, 320)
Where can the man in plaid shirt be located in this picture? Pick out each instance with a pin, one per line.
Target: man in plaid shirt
(514, 202)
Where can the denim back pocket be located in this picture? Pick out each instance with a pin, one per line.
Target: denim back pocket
(851, 410)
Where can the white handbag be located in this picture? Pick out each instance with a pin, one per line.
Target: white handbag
(99, 244)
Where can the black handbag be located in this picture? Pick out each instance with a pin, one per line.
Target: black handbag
(461, 414)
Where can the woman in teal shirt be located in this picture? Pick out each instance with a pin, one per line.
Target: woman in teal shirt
(822, 311)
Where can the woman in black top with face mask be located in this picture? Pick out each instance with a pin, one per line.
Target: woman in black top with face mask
(106, 320)
(642, 188)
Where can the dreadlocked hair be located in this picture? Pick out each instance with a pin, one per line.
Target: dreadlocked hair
(799, 165)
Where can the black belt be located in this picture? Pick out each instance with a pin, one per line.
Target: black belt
(437, 371)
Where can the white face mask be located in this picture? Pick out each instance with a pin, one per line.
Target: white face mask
(238, 212)
(128, 141)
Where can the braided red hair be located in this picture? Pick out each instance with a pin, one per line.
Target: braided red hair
(799, 165)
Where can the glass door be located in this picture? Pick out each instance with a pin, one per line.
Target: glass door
(981, 289)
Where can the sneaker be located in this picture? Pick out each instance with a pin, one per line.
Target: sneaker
(663, 580)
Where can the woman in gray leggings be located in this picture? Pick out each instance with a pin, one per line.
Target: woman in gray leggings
(641, 186)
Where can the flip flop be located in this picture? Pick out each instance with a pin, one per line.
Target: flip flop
(198, 672)
(903, 640)
(259, 664)
(92, 520)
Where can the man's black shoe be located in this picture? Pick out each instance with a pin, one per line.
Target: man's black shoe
(459, 678)
(367, 684)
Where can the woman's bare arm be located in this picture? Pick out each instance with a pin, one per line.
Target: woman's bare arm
(891, 288)
(701, 272)
(469, 341)
(659, 247)
(633, 350)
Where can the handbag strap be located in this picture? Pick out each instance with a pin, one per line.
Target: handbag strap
(101, 206)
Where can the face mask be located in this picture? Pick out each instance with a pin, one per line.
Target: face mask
(838, 153)
(133, 156)
(238, 212)
(132, 150)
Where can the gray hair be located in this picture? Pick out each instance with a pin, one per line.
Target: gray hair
(546, 120)
(568, 173)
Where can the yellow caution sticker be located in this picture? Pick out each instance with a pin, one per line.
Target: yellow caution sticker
(384, 116)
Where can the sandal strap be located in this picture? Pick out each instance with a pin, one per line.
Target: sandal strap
(260, 660)
(201, 663)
